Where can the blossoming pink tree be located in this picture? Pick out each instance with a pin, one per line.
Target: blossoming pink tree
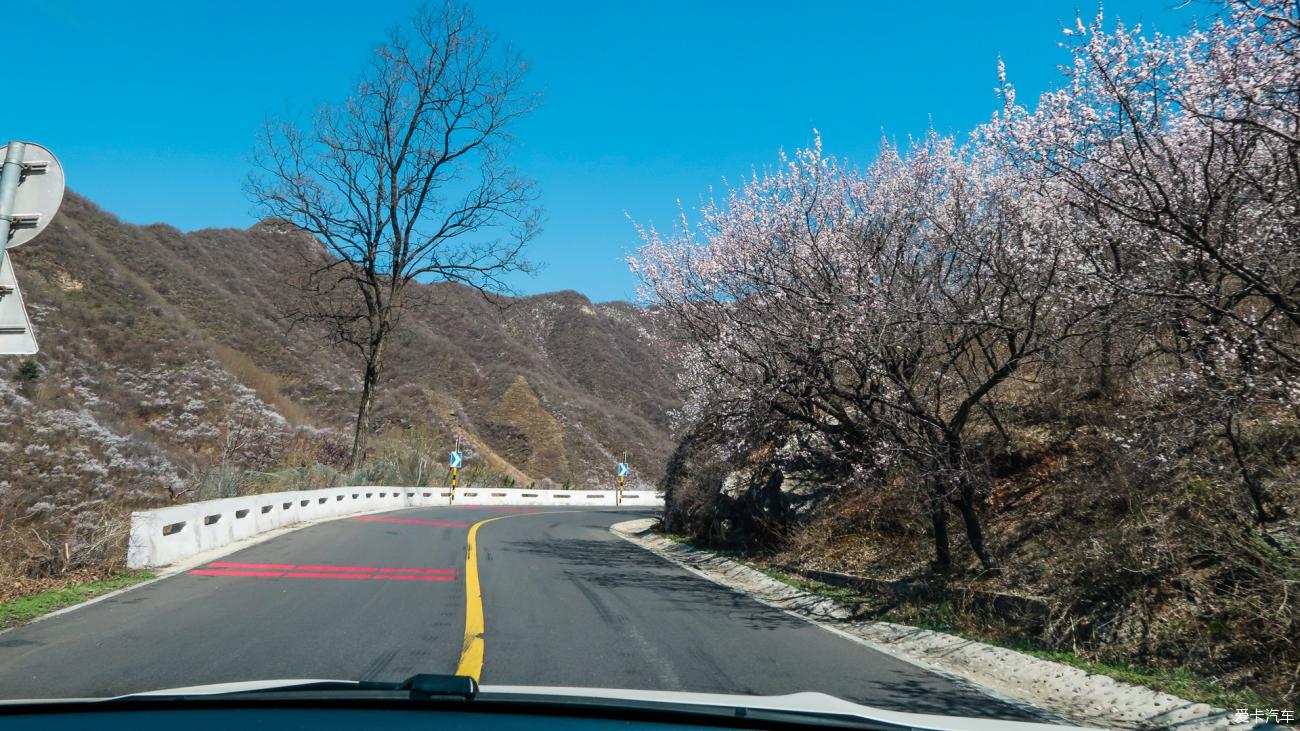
(1179, 155)
(1142, 218)
(877, 309)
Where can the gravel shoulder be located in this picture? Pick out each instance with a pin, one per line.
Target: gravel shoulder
(1070, 694)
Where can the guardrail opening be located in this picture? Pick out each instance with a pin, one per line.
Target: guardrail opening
(468, 494)
(303, 503)
(322, 500)
(266, 509)
(383, 494)
(499, 494)
(339, 497)
(241, 513)
(441, 494)
(286, 506)
(595, 495)
(171, 528)
(369, 494)
(566, 497)
(524, 494)
(428, 494)
(631, 497)
(211, 519)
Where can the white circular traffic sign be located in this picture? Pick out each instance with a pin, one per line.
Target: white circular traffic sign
(40, 192)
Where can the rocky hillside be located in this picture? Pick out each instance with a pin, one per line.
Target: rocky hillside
(164, 362)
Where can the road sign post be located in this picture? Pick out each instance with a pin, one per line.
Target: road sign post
(10, 174)
(455, 460)
(622, 470)
(31, 189)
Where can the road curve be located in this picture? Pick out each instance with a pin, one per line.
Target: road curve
(564, 602)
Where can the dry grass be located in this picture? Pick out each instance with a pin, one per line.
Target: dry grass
(268, 386)
(1162, 569)
(36, 555)
(538, 438)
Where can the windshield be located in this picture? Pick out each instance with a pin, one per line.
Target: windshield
(939, 359)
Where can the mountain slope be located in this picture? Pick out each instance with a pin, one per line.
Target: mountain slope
(164, 360)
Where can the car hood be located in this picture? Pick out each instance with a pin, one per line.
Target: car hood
(803, 702)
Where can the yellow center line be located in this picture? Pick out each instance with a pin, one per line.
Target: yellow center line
(471, 650)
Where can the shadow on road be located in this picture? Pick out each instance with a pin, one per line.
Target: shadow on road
(854, 673)
(610, 565)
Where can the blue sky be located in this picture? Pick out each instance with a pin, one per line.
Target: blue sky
(151, 106)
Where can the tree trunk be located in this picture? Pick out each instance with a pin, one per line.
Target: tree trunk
(965, 491)
(369, 380)
(939, 520)
(1103, 372)
(1258, 496)
(974, 532)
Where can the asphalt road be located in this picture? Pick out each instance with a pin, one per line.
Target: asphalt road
(564, 602)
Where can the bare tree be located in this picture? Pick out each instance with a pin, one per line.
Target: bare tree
(405, 181)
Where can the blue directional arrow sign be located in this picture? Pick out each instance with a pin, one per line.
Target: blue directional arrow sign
(455, 461)
(622, 469)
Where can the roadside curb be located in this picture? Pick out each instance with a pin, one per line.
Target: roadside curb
(1066, 693)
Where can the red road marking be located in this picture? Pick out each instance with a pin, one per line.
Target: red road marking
(500, 509)
(228, 565)
(423, 571)
(414, 577)
(323, 575)
(219, 572)
(350, 569)
(412, 521)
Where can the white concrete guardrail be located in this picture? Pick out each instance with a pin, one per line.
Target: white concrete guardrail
(163, 536)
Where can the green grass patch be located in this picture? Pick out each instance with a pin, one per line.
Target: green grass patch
(25, 609)
(674, 537)
(841, 594)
